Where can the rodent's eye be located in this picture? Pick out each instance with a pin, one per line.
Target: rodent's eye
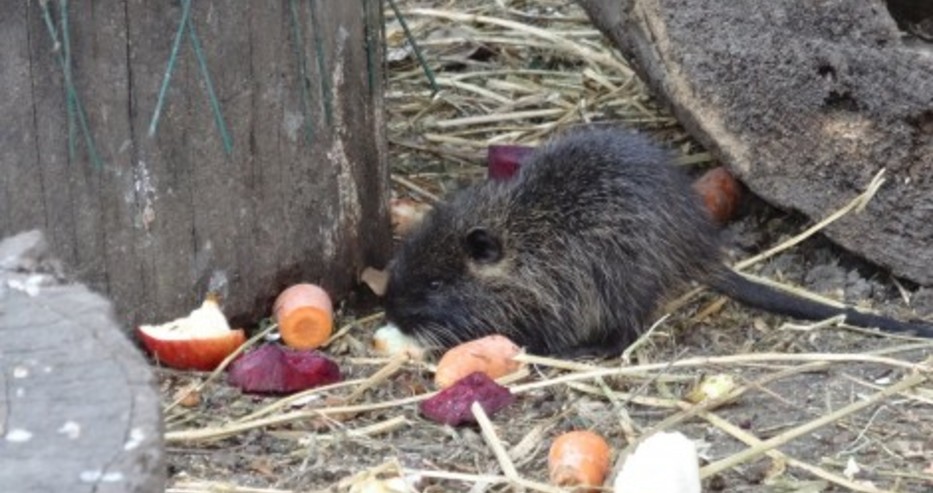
(435, 284)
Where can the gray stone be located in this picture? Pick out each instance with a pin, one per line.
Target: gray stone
(79, 408)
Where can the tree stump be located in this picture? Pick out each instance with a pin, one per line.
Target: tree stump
(300, 194)
(79, 410)
(805, 102)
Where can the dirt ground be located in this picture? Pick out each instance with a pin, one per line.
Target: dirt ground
(885, 445)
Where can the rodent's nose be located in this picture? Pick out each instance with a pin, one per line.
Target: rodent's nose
(401, 311)
(393, 304)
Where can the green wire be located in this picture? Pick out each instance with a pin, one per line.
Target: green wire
(185, 9)
(414, 46)
(215, 104)
(302, 71)
(82, 118)
(69, 101)
(321, 67)
(370, 46)
(202, 64)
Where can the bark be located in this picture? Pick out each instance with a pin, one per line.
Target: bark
(805, 102)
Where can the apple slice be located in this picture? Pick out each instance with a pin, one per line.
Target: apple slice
(199, 341)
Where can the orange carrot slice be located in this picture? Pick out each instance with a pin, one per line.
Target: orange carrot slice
(304, 313)
(579, 458)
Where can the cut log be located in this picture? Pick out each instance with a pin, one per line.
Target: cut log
(79, 407)
(805, 102)
(301, 196)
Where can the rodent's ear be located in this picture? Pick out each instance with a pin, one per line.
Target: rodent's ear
(482, 246)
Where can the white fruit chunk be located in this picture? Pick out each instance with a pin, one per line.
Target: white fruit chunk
(663, 463)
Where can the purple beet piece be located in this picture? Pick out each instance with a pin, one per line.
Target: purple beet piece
(452, 405)
(273, 369)
(503, 160)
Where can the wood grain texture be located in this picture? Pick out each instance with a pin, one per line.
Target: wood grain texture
(168, 215)
(805, 102)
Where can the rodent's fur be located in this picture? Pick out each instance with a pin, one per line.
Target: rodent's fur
(573, 255)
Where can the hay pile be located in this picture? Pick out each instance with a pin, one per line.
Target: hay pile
(814, 408)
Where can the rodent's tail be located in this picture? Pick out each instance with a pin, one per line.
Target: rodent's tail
(751, 293)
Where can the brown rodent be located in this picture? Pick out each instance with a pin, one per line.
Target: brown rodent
(573, 255)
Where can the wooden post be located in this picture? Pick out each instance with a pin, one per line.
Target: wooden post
(300, 195)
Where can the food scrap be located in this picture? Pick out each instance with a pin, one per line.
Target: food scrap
(199, 341)
(720, 192)
(451, 406)
(711, 387)
(405, 214)
(665, 462)
(388, 340)
(492, 355)
(274, 369)
(504, 160)
(304, 313)
(376, 279)
(579, 458)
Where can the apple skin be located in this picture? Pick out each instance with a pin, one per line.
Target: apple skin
(197, 353)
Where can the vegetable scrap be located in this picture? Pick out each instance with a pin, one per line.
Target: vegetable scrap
(304, 313)
(504, 160)
(274, 369)
(491, 355)
(580, 459)
(451, 406)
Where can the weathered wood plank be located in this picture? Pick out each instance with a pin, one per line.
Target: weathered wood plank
(18, 143)
(168, 214)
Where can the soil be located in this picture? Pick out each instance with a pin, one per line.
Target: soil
(887, 444)
(890, 442)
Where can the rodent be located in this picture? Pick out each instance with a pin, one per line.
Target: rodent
(574, 254)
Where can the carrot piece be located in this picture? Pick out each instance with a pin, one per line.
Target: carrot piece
(491, 355)
(579, 458)
(304, 313)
